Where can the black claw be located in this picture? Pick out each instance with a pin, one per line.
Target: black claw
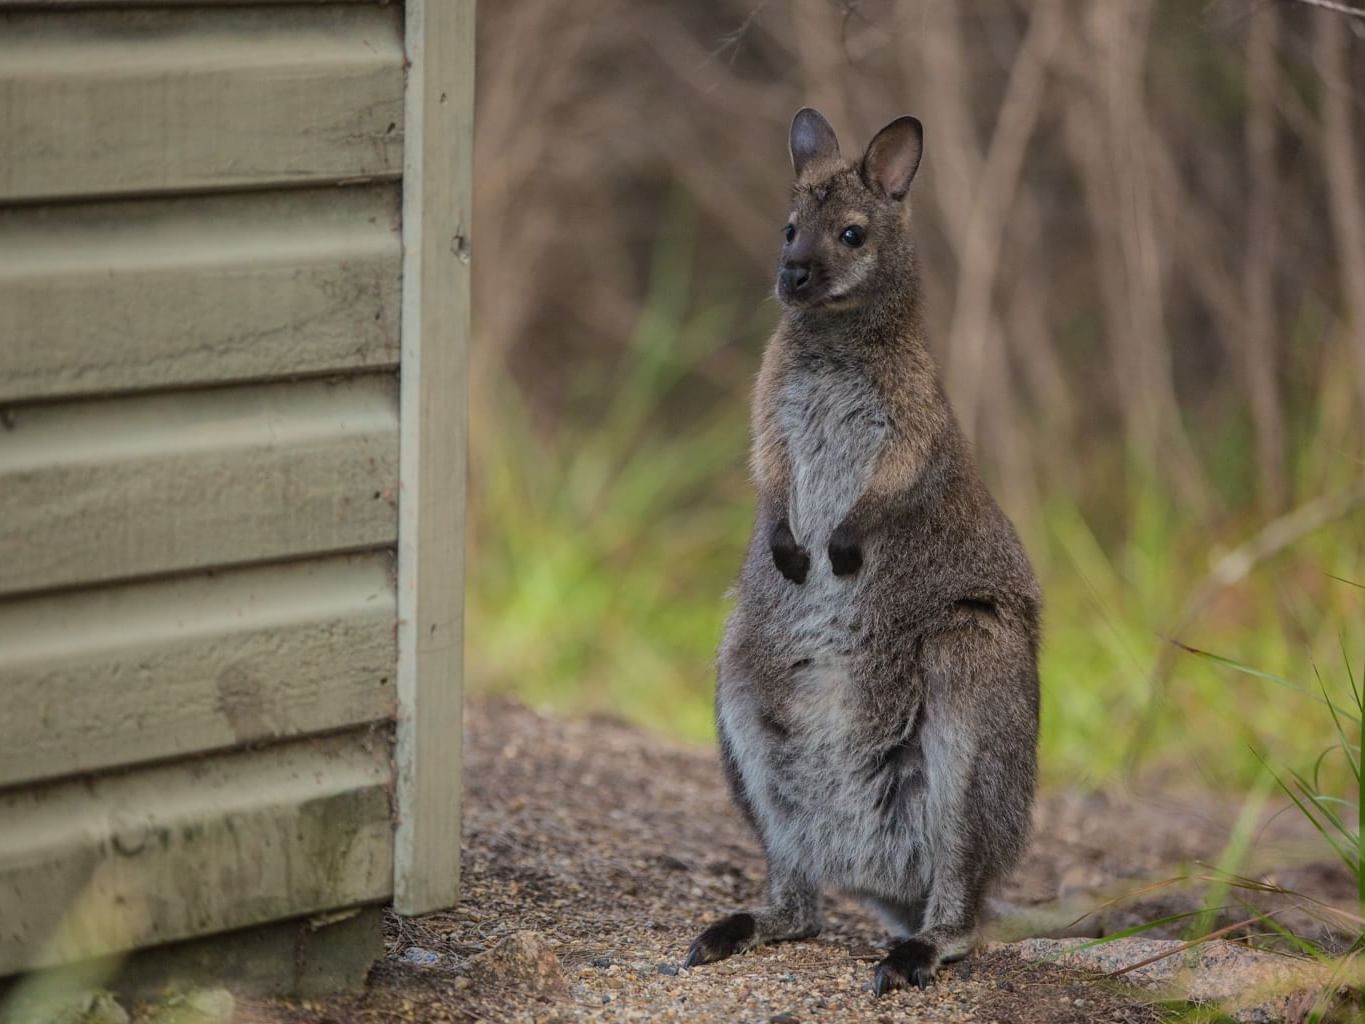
(881, 983)
(911, 963)
(728, 936)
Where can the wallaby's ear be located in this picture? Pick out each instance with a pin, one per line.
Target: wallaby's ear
(811, 137)
(892, 156)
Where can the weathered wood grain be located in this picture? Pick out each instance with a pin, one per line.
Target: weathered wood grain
(135, 101)
(121, 675)
(102, 297)
(122, 488)
(436, 219)
(90, 867)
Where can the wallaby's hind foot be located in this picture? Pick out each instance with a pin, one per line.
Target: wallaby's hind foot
(912, 962)
(725, 938)
(795, 916)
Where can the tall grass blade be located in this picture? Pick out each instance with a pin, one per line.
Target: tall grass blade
(1270, 677)
(1347, 855)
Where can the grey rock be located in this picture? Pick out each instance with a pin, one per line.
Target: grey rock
(523, 959)
(421, 956)
(1249, 985)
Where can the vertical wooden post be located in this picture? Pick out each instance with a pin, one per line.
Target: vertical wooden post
(438, 137)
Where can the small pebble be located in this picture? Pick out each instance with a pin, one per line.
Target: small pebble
(783, 1018)
(421, 956)
(602, 962)
(667, 969)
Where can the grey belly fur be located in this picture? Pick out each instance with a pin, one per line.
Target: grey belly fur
(820, 801)
(834, 429)
(825, 803)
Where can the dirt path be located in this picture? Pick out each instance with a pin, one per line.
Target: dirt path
(615, 848)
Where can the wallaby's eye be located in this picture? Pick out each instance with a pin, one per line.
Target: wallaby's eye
(789, 232)
(852, 236)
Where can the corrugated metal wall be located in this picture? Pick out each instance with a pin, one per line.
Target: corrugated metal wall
(200, 294)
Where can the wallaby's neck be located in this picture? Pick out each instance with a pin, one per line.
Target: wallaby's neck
(890, 324)
(883, 343)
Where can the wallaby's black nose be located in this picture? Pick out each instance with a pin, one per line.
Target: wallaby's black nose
(795, 276)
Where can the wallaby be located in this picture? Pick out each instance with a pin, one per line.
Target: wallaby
(877, 693)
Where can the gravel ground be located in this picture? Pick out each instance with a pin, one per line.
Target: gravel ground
(612, 849)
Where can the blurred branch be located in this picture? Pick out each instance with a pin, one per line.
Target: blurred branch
(941, 74)
(938, 73)
(1343, 179)
(849, 10)
(823, 60)
(1334, 5)
(732, 41)
(1128, 234)
(1042, 367)
(1258, 264)
(993, 197)
(1118, 152)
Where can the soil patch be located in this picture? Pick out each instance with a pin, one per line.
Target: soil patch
(612, 849)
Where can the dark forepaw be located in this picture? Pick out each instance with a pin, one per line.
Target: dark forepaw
(789, 557)
(845, 551)
(911, 963)
(728, 936)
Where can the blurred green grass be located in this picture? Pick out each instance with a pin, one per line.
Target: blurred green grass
(601, 553)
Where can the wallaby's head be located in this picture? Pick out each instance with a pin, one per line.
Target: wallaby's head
(847, 236)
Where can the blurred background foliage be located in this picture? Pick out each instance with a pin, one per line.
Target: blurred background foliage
(1142, 236)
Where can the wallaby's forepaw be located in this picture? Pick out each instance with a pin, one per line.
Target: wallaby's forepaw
(728, 936)
(911, 963)
(791, 558)
(845, 553)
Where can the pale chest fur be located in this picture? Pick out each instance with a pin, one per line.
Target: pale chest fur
(834, 425)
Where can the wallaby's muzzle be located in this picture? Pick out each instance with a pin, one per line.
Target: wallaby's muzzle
(793, 279)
